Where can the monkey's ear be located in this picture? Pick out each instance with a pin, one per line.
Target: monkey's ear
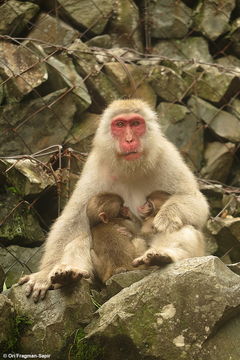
(103, 217)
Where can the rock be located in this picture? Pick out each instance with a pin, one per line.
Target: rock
(211, 83)
(83, 131)
(18, 222)
(227, 234)
(124, 29)
(234, 108)
(221, 122)
(218, 160)
(39, 123)
(52, 33)
(27, 176)
(2, 277)
(17, 261)
(231, 62)
(185, 49)
(123, 280)
(2, 92)
(130, 81)
(62, 73)
(15, 16)
(150, 318)
(169, 19)
(211, 17)
(97, 82)
(52, 322)
(235, 36)
(83, 14)
(22, 69)
(184, 130)
(7, 323)
(168, 83)
(101, 41)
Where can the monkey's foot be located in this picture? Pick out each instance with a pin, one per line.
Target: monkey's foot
(151, 258)
(37, 285)
(65, 274)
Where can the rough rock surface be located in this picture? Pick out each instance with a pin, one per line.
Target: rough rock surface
(179, 312)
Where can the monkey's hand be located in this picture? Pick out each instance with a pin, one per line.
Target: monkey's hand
(167, 220)
(153, 257)
(65, 274)
(37, 285)
(123, 230)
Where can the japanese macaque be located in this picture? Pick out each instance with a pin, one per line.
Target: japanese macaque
(113, 229)
(132, 158)
(150, 208)
(170, 246)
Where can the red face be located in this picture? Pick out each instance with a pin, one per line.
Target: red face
(128, 129)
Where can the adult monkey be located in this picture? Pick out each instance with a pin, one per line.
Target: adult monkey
(132, 158)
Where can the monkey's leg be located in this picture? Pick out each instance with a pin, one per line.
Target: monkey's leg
(153, 257)
(75, 260)
(171, 247)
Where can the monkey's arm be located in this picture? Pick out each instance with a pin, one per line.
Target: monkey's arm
(67, 248)
(180, 210)
(186, 205)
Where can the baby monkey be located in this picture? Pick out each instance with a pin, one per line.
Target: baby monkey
(150, 208)
(169, 247)
(113, 228)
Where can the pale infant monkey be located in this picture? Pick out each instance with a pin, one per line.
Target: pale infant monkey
(169, 247)
(113, 228)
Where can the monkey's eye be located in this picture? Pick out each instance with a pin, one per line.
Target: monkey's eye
(120, 123)
(135, 123)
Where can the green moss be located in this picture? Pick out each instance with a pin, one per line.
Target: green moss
(18, 326)
(83, 349)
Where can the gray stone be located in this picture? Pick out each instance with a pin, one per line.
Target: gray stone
(52, 33)
(218, 160)
(83, 131)
(27, 176)
(221, 122)
(2, 277)
(22, 69)
(7, 325)
(101, 41)
(15, 16)
(130, 81)
(97, 82)
(184, 130)
(235, 36)
(123, 280)
(52, 322)
(124, 25)
(229, 62)
(168, 83)
(93, 16)
(17, 261)
(18, 222)
(169, 19)
(210, 82)
(179, 312)
(212, 17)
(227, 234)
(234, 108)
(62, 73)
(38, 123)
(192, 48)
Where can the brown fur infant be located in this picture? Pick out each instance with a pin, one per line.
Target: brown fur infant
(113, 228)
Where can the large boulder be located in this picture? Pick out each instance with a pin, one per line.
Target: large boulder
(183, 311)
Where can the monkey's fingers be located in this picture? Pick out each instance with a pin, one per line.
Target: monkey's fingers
(138, 261)
(23, 280)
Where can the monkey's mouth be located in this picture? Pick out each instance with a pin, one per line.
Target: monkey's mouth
(131, 155)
